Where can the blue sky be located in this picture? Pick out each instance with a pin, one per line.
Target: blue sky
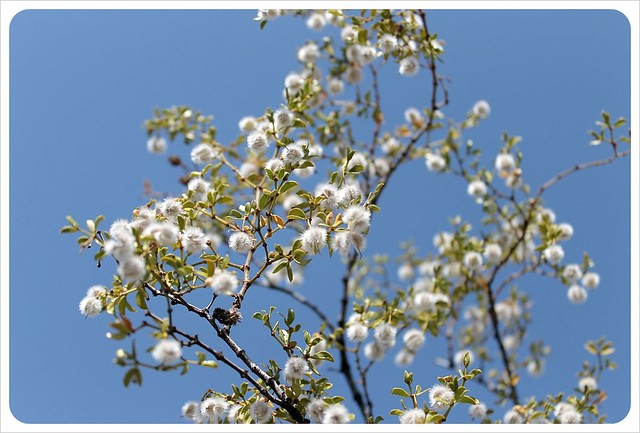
(82, 83)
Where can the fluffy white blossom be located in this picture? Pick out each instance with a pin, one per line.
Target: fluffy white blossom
(570, 416)
(293, 83)
(257, 142)
(171, 208)
(315, 409)
(413, 416)
(587, 383)
(385, 335)
(505, 162)
(440, 397)
(492, 252)
(481, 109)
(223, 282)
(241, 242)
(413, 116)
(248, 168)
(591, 280)
(335, 414)
(566, 231)
(428, 268)
(473, 260)
(435, 162)
(413, 339)
(316, 21)
(304, 172)
(553, 254)
(203, 153)
(193, 240)
(295, 368)
(335, 85)
(349, 34)
(199, 186)
(373, 352)
(562, 406)
(90, 306)
(156, 145)
(260, 412)
(357, 218)
(292, 154)
(267, 14)
(577, 294)
(510, 342)
(409, 66)
(313, 239)
(334, 16)
(572, 273)
(390, 144)
(274, 164)
(512, 417)
(248, 124)
(214, 409)
(341, 243)
(132, 268)
(167, 351)
(405, 272)
(380, 167)
(290, 201)
(387, 43)
(353, 74)
(191, 410)
(477, 189)
(164, 233)
(425, 302)
(329, 194)
(348, 193)
(309, 53)
(478, 411)
(535, 368)
(508, 311)
(283, 118)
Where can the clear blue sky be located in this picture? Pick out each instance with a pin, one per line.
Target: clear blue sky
(82, 82)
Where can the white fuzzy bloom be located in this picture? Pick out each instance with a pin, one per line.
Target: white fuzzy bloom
(260, 412)
(413, 339)
(440, 397)
(478, 411)
(358, 159)
(199, 186)
(96, 291)
(413, 416)
(553, 254)
(315, 149)
(477, 189)
(458, 358)
(577, 294)
(424, 302)
(329, 194)
(223, 283)
(304, 172)
(357, 331)
(591, 280)
(348, 193)
(334, 16)
(380, 167)
(248, 168)
(422, 285)
(248, 124)
(387, 43)
(267, 14)
(492, 252)
(315, 410)
(241, 242)
(90, 306)
(510, 342)
(435, 162)
(283, 118)
(294, 82)
(353, 53)
(535, 368)
(164, 233)
(121, 245)
(191, 410)
(353, 74)
(587, 383)
(341, 242)
(316, 21)
(314, 239)
(505, 162)
(274, 164)
(373, 352)
(405, 272)
(409, 66)
(413, 116)
(561, 407)
(167, 351)
(385, 335)
(481, 109)
(404, 357)
(390, 145)
(233, 413)
(512, 417)
(292, 154)
(572, 273)
(203, 154)
(335, 86)
(358, 218)
(257, 142)
(309, 53)
(170, 208)
(193, 240)
(428, 268)
(566, 231)
(570, 416)
(452, 270)
(545, 212)
(508, 311)
(335, 414)
(290, 201)
(473, 260)
(214, 238)
(156, 145)
(349, 34)
(214, 409)
(132, 268)
(295, 368)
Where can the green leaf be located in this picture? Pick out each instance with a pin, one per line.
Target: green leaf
(400, 392)
(297, 214)
(287, 186)
(468, 400)
(323, 355)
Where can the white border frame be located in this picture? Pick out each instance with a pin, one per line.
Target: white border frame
(9, 9)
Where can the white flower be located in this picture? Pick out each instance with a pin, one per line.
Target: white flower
(193, 240)
(413, 339)
(132, 268)
(367, 54)
(267, 14)
(143, 217)
(425, 302)
(214, 409)
(348, 193)
(505, 162)
(156, 145)
(257, 142)
(572, 273)
(199, 186)
(566, 231)
(248, 168)
(510, 342)
(358, 218)
(316, 21)
(390, 144)
(561, 407)
(223, 282)
(240, 242)
(380, 167)
(413, 117)
(305, 172)
(292, 154)
(90, 306)
(293, 83)
(164, 233)
(341, 242)
(591, 280)
(334, 16)
(329, 194)
(260, 412)
(385, 335)
(482, 109)
(477, 189)
(458, 358)
(320, 347)
(295, 368)
(478, 411)
(409, 66)
(413, 416)
(387, 43)
(335, 414)
(508, 311)
(577, 294)
(353, 53)
(349, 34)
(335, 85)
(96, 291)
(512, 417)
(233, 413)
(373, 352)
(435, 162)
(313, 239)
(315, 410)
(440, 397)
(553, 254)
(290, 201)
(120, 246)
(274, 164)
(248, 124)
(283, 118)
(587, 383)
(309, 53)
(167, 351)
(473, 260)
(203, 153)
(492, 252)
(404, 357)
(191, 410)
(353, 74)
(535, 368)
(357, 159)
(428, 268)
(570, 416)
(405, 272)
